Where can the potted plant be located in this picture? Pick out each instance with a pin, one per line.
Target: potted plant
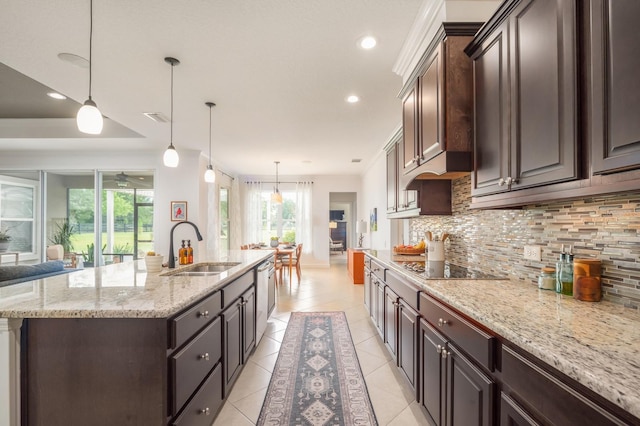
(5, 240)
(274, 241)
(88, 255)
(63, 236)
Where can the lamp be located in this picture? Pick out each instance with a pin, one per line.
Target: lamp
(333, 225)
(210, 174)
(171, 157)
(89, 118)
(361, 228)
(276, 197)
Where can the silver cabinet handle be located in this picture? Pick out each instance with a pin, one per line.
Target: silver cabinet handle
(204, 411)
(204, 356)
(439, 349)
(204, 314)
(445, 353)
(502, 182)
(442, 322)
(508, 181)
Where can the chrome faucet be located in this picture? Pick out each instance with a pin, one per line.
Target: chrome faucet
(172, 259)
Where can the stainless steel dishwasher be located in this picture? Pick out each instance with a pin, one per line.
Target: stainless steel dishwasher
(265, 291)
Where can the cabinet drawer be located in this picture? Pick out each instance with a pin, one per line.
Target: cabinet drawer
(474, 341)
(235, 289)
(367, 262)
(404, 289)
(378, 269)
(191, 365)
(548, 398)
(205, 404)
(185, 325)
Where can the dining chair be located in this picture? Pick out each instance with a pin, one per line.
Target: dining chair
(296, 261)
(278, 266)
(244, 247)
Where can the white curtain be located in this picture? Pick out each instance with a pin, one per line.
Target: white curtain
(253, 213)
(304, 221)
(235, 217)
(213, 219)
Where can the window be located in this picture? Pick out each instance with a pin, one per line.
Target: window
(18, 198)
(224, 221)
(278, 219)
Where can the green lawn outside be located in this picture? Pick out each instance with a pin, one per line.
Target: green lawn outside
(81, 241)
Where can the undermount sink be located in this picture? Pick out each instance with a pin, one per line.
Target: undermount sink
(202, 269)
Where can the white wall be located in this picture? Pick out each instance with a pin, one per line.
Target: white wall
(374, 195)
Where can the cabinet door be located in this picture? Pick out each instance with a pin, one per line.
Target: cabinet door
(391, 322)
(407, 198)
(409, 130)
(470, 393)
(392, 179)
(249, 322)
(233, 347)
(491, 106)
(431, 140)
(511, 414)
(271, 295)
(615, 104)
(367, 289)
(407, 342)
(380, 307)
(432, 373)
(543, 51)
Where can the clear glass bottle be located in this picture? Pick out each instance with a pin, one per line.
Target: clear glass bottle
(547, 279)
(559, 265)
(564, 282)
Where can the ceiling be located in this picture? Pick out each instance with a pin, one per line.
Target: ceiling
(278, 70)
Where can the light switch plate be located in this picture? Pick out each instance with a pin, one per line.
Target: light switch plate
(532, 253)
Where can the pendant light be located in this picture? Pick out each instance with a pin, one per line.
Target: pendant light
(89, 118)
(276, 197)
(171, 157)
(210, 174)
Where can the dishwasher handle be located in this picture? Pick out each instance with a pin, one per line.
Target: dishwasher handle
(265, 266)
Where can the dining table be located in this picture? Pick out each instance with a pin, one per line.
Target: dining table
(284, 250)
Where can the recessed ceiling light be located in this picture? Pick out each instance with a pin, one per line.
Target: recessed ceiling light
(76, 60)
(56, 95)
(368, 42)
(352, 99)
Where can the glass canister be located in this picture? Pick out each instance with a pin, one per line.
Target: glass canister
(547, 279)
(564, 275)
(587, 285)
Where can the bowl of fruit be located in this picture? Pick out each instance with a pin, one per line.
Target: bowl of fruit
(410, 249)
(153, 261)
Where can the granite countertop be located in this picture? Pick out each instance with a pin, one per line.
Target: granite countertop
(123, 290)
(597, 344)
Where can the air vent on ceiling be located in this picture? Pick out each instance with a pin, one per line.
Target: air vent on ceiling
(356, 160)
(158, 117)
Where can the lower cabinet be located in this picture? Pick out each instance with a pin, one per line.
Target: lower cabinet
(239, 336)
(511, 414)
(453, 390)
(367, 289)
(378, 301)
(205, 404)
(408, 329)
(391, 322)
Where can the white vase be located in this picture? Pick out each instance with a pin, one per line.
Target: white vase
(4, 245)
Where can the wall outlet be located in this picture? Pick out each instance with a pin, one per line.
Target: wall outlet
(532, 253)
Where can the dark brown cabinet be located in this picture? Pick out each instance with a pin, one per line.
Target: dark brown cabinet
(239, 336)
(454, 391)
(437, 107)
(614, 54)
(391, 303)
(525, 67)
(511, 414)
(408, 329)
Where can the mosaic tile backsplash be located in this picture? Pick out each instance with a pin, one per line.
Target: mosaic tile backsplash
(602, 227)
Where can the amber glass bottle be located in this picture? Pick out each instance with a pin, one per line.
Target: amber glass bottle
(182, 254)
(189, 253)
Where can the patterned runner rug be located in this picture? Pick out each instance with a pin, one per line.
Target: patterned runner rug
(317, 378)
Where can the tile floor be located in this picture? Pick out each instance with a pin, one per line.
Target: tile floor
(323, 290)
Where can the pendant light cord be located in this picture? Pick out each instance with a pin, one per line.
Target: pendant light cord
(210, 134)
(90, 42)
(171, 132)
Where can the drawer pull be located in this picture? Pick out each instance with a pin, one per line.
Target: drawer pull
(204, 411)
(204, 356)
(442, 322)
(396, 304)
(439, 349)
(445, 353)
(204, 314)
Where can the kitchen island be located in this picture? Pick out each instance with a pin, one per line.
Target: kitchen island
(115, 344)
(595, 345)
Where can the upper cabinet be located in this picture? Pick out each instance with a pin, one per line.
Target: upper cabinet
(438, 109)
(614, 53)
(525, 98)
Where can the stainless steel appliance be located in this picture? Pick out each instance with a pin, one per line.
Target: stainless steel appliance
(264, 292)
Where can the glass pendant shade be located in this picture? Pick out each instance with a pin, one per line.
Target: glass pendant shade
(276, 197)
(210, 174)
(89, 118)
(171, 158)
